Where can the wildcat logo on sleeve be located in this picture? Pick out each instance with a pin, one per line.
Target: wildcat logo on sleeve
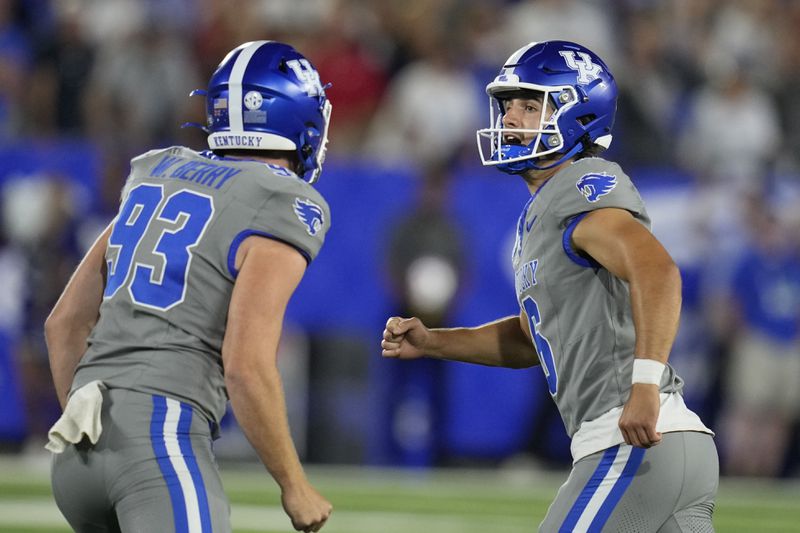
(593, 186)
(310, 214)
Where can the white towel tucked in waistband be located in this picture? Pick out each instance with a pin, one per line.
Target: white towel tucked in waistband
(81, 417)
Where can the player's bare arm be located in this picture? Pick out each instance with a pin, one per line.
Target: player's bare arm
(505, 342)
(74, 315)
(269, 273)
(629, 251)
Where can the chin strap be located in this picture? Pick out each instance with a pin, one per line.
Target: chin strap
(518, 167)
(574, 151)
(196, 125)
(203, 93)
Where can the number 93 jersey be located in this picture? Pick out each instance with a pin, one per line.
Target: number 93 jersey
(171, 268)
(579, 314)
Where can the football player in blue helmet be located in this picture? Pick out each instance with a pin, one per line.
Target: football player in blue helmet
(178, 308)
(577, 100)
(599, 304)
(265, 95)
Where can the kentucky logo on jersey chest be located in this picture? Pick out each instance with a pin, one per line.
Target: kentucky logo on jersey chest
(525, 276)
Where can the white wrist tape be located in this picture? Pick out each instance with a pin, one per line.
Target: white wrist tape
(647, 371)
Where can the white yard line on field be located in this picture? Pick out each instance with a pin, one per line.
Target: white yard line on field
(43, 513)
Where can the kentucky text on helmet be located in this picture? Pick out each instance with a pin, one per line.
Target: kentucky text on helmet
(236, 141)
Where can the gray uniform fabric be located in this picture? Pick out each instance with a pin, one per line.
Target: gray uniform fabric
(157, 344)
(582, 324)
(580, 313)
(170, 348)
(132, 481)
(669, 488)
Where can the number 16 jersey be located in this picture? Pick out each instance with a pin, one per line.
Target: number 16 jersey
(579, 313)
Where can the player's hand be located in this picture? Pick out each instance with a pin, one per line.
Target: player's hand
(404, 338)
(306, 507)
(639, 416)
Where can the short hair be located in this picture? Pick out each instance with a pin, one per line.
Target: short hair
(592, 150)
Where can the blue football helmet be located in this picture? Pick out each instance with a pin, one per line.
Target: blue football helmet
(266, 96)
(579, 100)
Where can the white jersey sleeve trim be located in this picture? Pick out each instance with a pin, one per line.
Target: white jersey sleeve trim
(603, 432)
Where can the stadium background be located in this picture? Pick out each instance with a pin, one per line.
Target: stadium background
(708, 127)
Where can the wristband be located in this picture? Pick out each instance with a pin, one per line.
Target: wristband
(647, 371)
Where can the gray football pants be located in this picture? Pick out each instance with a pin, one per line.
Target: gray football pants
(151, 471)
(669, 488)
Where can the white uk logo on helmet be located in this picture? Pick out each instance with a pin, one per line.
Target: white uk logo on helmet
(307, 75)
(587, 71)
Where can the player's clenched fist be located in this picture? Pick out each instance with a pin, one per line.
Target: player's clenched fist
(307, 509)
(640, 415)
(404, 338)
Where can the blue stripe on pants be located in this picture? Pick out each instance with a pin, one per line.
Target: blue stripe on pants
(185, 443)
(621, 485)
(588, 491)
(162, 456)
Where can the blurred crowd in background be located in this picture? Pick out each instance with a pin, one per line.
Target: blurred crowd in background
(708, 104)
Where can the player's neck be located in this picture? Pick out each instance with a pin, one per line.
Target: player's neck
(534, 179)
(280, 161)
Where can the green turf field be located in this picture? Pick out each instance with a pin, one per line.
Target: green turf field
(390, 501)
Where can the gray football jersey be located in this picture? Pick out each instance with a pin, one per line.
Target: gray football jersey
(171, 268)
(579, 313)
